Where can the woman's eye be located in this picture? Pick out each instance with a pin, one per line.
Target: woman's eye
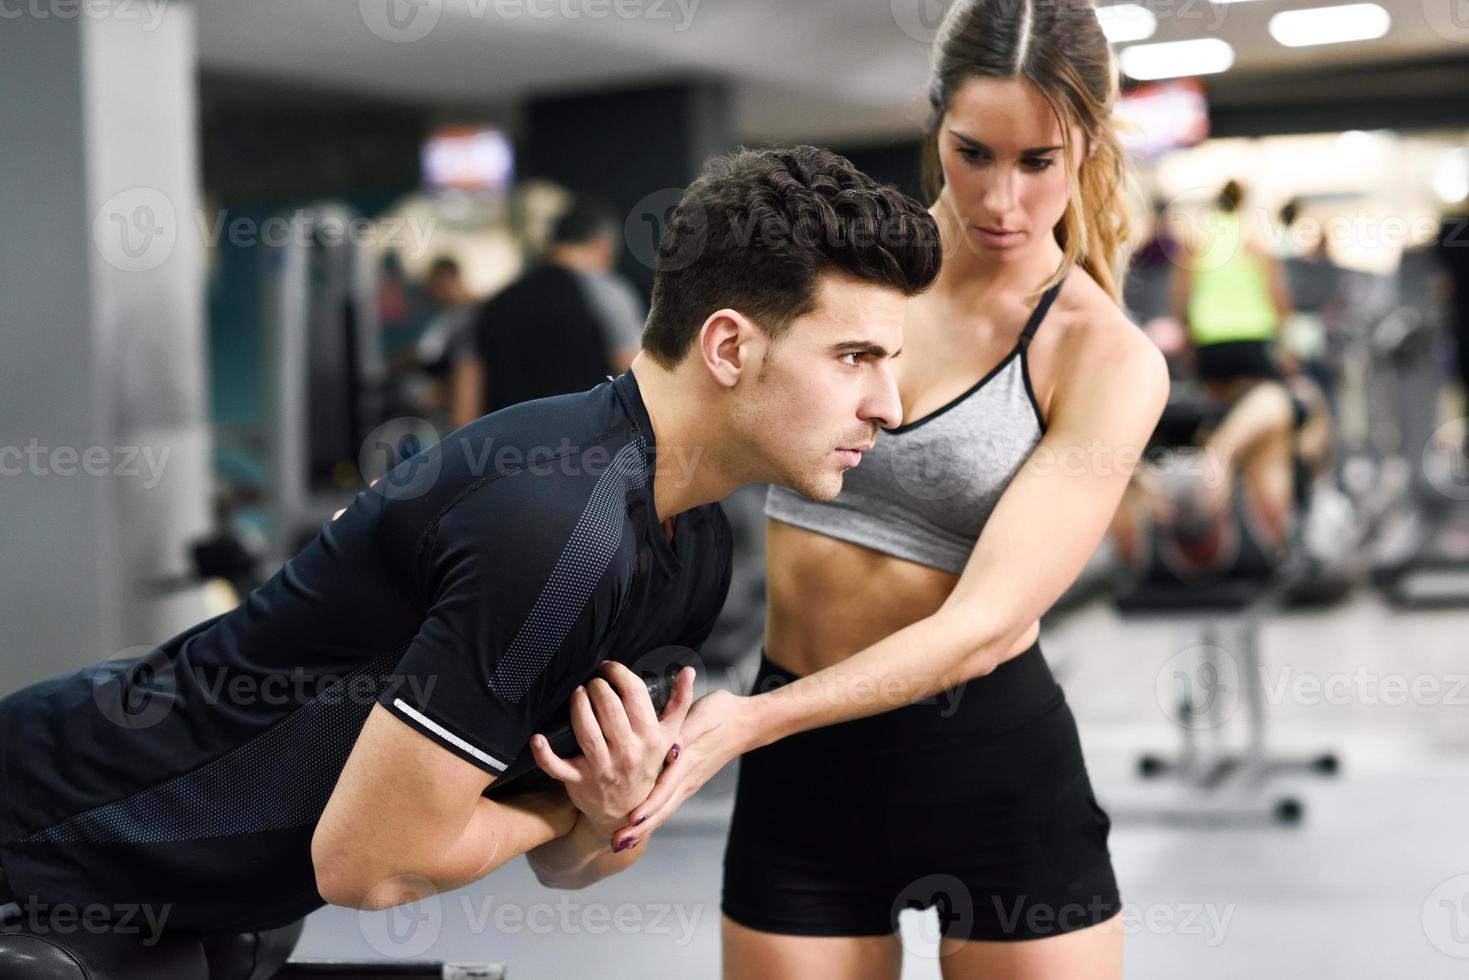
(853, 362)
(968, 155)
(1039, 163)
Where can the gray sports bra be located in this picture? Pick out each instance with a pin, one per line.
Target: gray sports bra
(926, 489)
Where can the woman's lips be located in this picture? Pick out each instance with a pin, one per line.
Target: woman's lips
(998, 237)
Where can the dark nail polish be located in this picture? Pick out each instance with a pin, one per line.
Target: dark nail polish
(674, 751)
(639, 821)
(620, 846)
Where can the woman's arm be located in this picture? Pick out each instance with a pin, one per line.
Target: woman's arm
(1046, 525)
(1110, 391)
(579, 858)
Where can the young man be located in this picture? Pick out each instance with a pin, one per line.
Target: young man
(331, 738)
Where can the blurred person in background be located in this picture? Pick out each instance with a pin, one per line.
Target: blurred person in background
(1452, 246)
(1254, 436)
(394, 318)
(564, 325)
(1147, 292)
(1232, 296)
(1150, 274)
(1314, 283)
(421, 373)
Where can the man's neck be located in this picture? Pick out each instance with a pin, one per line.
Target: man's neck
(689, 468)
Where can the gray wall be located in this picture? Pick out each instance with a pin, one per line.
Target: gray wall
(103, 448)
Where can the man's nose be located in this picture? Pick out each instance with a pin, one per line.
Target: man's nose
(883, 406)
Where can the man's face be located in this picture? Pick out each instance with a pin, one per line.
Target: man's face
(826, 387)
(443, 288)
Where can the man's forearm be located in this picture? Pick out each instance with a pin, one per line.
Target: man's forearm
(502, 830)
(497, 832)
(579, 858)
(914, 663)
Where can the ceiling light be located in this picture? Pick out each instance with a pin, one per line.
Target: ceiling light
(1176, 59)
(1451, 177)
(1330, 25)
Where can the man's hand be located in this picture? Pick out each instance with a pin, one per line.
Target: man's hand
(623, 744)
(714, 732)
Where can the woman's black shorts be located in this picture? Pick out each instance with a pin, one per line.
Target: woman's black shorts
(976, 801)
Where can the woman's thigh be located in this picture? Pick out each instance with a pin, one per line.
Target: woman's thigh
(1093, 953)
(749, 954)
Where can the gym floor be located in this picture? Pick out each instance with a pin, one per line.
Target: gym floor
(1373, 883)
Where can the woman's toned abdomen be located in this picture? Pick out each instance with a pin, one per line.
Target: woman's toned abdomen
(827, 599)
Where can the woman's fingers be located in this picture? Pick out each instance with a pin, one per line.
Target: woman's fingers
(650, 820)
(680, 700)
(664, 790)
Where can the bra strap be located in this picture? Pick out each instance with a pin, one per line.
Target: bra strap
(1039, 314)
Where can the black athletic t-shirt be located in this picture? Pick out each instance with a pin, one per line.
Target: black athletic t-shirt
(539, 337)
(469, 592)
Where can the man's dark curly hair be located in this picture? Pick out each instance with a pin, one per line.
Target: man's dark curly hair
(758, 228)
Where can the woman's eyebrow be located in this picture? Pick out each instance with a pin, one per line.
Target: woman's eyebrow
(971, 141)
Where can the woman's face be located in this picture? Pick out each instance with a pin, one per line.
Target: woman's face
(1004, 177)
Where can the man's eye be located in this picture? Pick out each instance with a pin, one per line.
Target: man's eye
(853, 362)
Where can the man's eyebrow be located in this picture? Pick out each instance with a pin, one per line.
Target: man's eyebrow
(863, 347)
(976, 144)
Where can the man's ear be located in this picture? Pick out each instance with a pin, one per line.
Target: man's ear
(728, 346)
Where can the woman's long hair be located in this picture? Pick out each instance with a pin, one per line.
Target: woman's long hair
(1058, 47)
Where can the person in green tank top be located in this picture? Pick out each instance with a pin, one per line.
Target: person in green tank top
(1232, 297)
(1239, 502)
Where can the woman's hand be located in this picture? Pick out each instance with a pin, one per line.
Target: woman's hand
(715, 731)
(623, 744)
